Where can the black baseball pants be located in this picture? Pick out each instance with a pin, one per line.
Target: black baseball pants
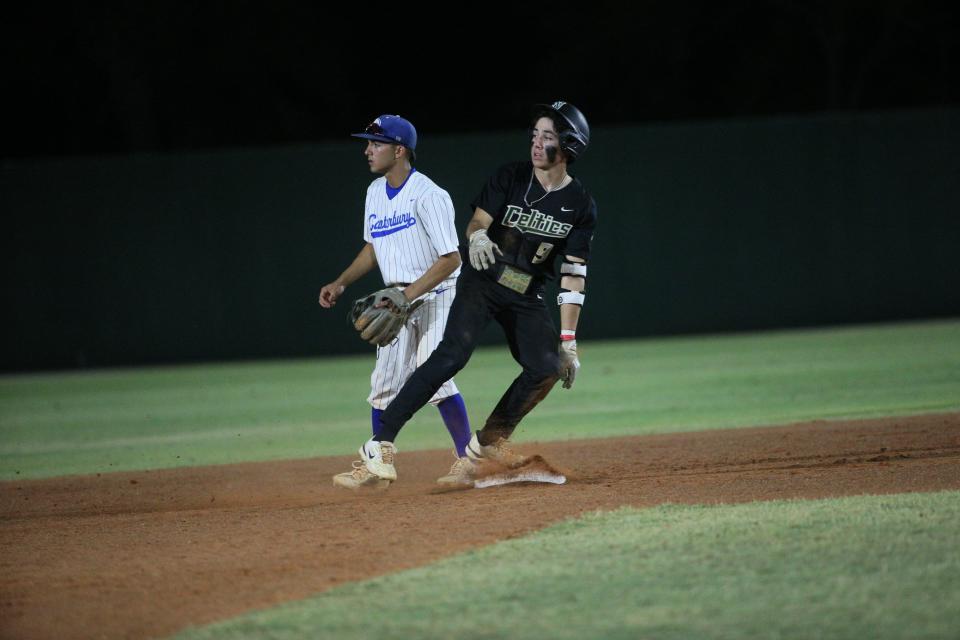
(532, 338)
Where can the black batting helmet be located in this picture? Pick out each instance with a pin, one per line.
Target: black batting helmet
(574, 130)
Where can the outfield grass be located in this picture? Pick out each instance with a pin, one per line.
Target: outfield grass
(56, 424)
(863, 567)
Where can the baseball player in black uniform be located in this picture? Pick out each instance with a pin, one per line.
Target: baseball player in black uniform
(531, 220)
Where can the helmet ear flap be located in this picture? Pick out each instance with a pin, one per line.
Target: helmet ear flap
(571, 143)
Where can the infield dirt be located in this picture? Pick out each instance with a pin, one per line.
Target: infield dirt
(144, 554)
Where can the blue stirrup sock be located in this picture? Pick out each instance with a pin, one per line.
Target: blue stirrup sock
(454, 414)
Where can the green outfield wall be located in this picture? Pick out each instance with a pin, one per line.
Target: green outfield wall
(704, 227)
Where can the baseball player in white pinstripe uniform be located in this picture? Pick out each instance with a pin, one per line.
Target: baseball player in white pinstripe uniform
(410, 234)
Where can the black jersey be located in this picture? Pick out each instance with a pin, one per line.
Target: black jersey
(532, 226)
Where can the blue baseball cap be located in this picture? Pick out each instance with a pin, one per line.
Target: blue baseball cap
(392, 129)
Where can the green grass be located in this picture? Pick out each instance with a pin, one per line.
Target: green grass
(864, 567)
(84, 422)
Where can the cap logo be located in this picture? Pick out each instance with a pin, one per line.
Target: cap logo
(558, 105)
(392, 129)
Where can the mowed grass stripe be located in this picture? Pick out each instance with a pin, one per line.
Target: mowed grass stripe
(57, 446)
(57, 424)
(862, 567)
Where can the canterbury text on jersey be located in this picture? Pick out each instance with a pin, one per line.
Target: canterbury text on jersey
(410, 227)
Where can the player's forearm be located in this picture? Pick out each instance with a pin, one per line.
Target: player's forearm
(570, 313)
(480, 220)
(437, 273)
(365, 262)
(569, 316)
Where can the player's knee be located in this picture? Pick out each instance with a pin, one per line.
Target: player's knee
(543, 369)
(542, 376)
(450, 357)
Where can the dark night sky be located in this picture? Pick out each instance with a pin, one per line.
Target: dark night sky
(176, 75)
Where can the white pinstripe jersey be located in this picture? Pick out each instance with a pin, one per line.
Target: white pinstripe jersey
(410, 231)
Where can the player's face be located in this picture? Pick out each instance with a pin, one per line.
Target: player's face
(544, 137)
(381, 156)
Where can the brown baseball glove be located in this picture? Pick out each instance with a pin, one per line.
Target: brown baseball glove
(380, 316)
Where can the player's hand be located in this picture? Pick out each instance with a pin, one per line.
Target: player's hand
(569, 364)
(483, 250)
(329, 294)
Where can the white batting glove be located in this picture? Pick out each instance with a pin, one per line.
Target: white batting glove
(568, 362)
(483, 250)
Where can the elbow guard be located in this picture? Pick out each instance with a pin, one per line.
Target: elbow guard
(577, 270)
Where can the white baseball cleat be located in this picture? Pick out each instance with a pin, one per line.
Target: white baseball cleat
(499, 451)
(460, 473)
(378, 458)
(360, 477)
